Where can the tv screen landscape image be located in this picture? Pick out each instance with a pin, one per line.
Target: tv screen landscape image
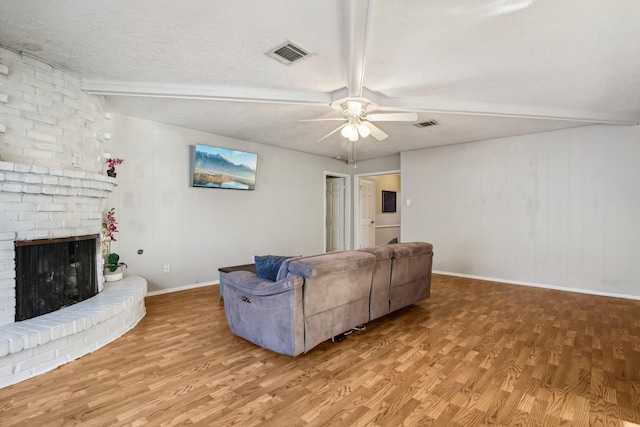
(216, 167)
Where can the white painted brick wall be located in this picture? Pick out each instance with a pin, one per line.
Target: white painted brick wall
(46, 117)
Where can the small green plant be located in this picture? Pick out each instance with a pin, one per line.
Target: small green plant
(113, 262)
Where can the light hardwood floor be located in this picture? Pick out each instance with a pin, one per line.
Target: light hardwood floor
(475, 353)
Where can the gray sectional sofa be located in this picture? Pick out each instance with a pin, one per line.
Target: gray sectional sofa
(315, 298)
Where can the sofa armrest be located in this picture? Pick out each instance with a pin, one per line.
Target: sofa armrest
(250, 283)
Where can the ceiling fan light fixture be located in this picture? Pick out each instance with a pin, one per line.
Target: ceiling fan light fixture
(360, 125)
(354, 108)
(350, 131)
(363, 130)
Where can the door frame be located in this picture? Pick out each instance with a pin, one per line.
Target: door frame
(356, 200)
(345, 203)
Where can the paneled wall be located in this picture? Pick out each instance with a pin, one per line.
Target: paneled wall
(558, 208)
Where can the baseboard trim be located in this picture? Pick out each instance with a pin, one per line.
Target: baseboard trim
(541, 285)
(182, 288)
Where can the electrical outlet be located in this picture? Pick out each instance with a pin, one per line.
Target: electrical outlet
(167, 268)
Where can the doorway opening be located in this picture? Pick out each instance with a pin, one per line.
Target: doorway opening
(337, 212)
(376, 220)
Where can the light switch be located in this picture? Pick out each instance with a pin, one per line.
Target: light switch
(408, 202)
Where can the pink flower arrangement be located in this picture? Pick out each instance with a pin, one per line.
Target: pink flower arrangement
(114, 162)
(110, 225)
(109, 228)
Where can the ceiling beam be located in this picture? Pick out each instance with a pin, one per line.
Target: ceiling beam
(280, 96)
(513, 111)
(213, 93)
(358, 19)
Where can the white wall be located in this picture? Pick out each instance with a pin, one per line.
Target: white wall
(558, 208)
(198, 230)
(381, 164)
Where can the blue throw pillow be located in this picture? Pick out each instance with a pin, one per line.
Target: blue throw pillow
(268, 265)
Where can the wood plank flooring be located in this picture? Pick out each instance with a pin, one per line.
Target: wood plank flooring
(475, 353)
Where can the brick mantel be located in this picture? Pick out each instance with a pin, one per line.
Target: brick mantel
(19, 178)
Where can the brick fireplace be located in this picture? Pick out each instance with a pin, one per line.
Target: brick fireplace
(45, 203)
(51, 203)
(53, 185)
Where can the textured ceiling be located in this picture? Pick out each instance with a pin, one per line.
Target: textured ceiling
(481, 69)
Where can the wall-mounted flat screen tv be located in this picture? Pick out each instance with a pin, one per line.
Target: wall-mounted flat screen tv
(216, 167)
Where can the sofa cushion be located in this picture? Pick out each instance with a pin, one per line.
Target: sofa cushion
(410, 249)
(334, 279)
(268, 265)
(332, 262)
(381, 252)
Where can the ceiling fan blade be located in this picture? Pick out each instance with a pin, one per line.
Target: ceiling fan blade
(332, 132)
(376, 132)
(393, 117)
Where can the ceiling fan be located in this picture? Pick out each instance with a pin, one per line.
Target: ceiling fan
(359, 121)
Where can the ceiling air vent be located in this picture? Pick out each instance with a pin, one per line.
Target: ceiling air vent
(287, 53)
(426, 124)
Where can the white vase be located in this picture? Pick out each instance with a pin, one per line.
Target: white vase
(112, 276)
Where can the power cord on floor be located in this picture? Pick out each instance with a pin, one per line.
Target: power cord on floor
(358, 329)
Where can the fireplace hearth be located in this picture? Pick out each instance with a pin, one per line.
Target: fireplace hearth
(54, 273)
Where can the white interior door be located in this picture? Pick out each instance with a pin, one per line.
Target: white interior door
(335, 214)
(367, 213)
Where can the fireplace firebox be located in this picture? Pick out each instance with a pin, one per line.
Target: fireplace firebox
(54, 273)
